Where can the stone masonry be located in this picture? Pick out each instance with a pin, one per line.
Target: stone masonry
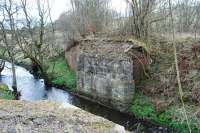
(108, 80)
(105, 72)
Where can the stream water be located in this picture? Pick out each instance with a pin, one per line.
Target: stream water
(33, 89)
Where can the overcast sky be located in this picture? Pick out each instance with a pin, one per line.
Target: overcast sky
(59, 6)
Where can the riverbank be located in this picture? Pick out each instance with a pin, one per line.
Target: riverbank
(136, 107)
(170, 116)
(141, 107)
(61, 74)
(5, 93)
(156, 101)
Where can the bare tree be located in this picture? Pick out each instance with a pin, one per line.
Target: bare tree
(9, 9)
(141, 13)
(197, 24)
(90, 16)
(33, 45)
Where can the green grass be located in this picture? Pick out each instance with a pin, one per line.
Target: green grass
(143, 108)
(5, 93)
(62, 75)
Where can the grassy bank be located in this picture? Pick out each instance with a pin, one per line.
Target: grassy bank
(170, 116)
(5, 93)
(60, 73)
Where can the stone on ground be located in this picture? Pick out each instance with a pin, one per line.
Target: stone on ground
(46, 117)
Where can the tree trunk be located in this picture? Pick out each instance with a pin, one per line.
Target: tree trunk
(14, 80)
(42, 69)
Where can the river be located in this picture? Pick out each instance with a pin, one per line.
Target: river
(33, 89)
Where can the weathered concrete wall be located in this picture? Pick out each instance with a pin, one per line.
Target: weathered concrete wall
(107, 80)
